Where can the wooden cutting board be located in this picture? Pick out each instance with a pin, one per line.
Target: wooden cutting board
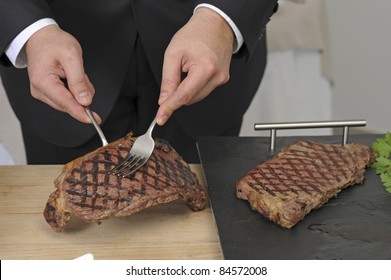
(170, 231)
(354, 225)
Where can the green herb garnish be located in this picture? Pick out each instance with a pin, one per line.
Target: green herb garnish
(382, 164)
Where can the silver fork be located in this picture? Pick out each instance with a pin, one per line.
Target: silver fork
(138, 155)
(100, 132)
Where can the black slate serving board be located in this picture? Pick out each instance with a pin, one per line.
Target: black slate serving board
(354, 225)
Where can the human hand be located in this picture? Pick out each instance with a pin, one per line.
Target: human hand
(202, 49)
(55, 56)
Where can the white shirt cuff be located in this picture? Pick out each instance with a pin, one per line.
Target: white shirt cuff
(238, 35)
(15, 51)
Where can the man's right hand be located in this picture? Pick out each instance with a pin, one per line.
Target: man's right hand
(53, 56)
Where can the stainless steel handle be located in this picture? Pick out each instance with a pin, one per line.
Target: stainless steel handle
(273, 127)
(100, 132)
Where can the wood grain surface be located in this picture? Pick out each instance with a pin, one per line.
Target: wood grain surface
(169, 231)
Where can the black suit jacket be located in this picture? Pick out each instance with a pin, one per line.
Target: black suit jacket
(106, 31)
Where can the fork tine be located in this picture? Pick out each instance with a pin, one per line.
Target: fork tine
(130, 159)
(138, 155)
(133, 168)
(129, 165)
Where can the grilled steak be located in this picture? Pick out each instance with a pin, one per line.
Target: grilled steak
(303, 177)
(87, 190)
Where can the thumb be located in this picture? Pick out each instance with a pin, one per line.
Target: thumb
(78, 82)
(81, 88)
(171, 78)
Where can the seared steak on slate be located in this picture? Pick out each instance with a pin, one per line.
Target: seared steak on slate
(87, 190)
(303, 177)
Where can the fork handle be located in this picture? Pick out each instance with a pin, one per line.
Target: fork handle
(151, 126)
(97, 127)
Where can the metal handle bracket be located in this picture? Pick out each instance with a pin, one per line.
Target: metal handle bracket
(273, 127)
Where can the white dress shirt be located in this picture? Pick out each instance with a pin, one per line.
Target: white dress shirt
(15, 51)
(238, 35)
(17, 55)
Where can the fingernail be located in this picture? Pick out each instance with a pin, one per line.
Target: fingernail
(162, 98)
(84, 98)
(88, 120)
(161, 120)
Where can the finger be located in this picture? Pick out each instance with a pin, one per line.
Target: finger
(60, 103)
(90, 86)
(185, 93)
(202, 93)
(78, 82)
(92, 90)
(171, 76)
(64, 101)
(97, 118)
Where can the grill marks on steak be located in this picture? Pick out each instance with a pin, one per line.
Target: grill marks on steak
(95, 188)
(87, 190)
(303, 177)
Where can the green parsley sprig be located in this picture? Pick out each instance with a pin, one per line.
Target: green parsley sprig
(382, 164)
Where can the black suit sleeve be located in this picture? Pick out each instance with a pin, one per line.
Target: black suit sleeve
(250, 16)
(15, 16)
